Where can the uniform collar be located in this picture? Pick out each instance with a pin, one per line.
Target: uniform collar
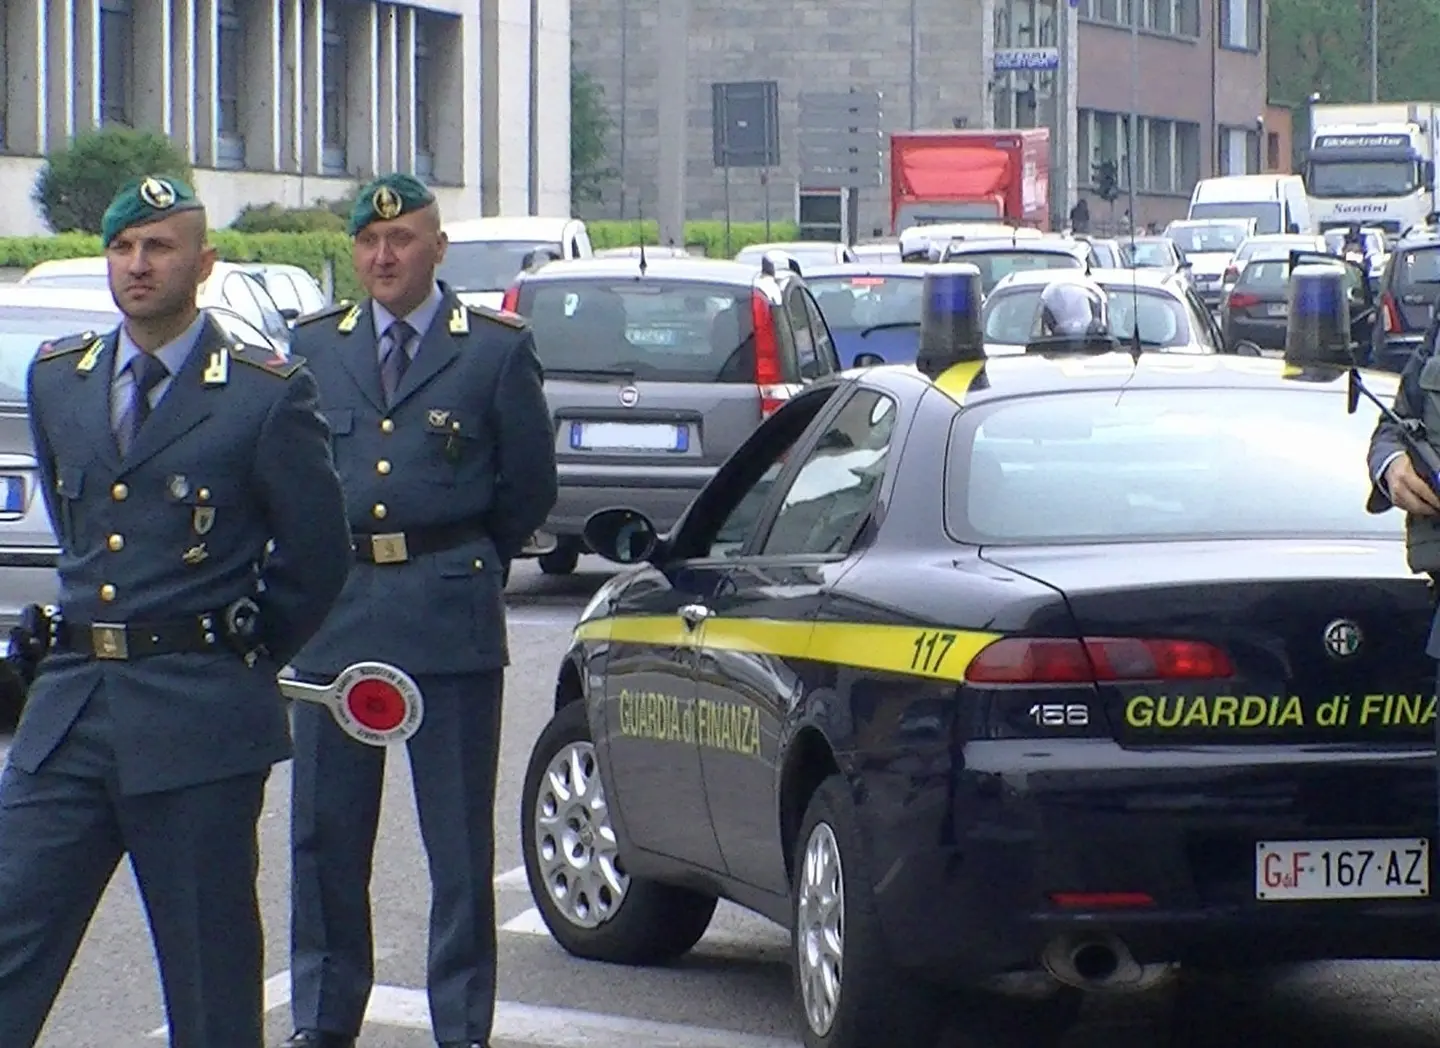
(173, 354)
(420, 318)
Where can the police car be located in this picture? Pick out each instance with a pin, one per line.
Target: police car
(1074, 663)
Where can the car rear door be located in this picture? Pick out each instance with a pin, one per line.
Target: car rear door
(1415, 286)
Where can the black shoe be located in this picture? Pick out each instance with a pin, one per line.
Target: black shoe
(462, 1044)
(318, 1039)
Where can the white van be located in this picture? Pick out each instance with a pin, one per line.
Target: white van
(487, 254)
(1277, 203)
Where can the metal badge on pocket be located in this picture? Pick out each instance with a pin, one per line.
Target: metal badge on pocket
(203, 519)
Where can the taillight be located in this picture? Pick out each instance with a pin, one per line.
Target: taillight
(1391, 311)
(1243, 299)
(768, 376)
(1058, 660)
(511, 302)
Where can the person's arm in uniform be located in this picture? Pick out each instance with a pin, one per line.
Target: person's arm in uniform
(527, 485)
(305, 505)
(1387, 446)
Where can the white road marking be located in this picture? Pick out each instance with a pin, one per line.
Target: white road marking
(538, 1026)
(511, 879)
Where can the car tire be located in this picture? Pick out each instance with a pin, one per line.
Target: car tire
(562, 560)
(872, 1002)
(641, 923)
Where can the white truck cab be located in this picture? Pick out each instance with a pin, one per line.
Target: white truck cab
(1373, 165)
(1277, 203)
(487, 254)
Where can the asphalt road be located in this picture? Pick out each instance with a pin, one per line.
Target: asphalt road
(733, 991)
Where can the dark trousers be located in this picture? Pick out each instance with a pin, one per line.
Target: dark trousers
(335, 812)
(63, 831)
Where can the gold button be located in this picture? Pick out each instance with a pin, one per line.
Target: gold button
(382, 467)
(204, 494)
(119, 493)
(107, 592)
(387, 426)
(116, 543)
(479, 563)
(379, 510)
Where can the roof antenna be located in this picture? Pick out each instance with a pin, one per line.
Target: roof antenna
(1136, 349)
(640, 225)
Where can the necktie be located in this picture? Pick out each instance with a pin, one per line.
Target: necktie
(148, 372)
(396, 358)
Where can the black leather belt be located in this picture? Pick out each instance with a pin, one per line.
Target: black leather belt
(136, 640)
(397, 547)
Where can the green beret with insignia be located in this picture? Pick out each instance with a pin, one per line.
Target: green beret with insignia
(389, 196)
(146, 200)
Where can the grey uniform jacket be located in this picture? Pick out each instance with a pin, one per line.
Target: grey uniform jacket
(468, 439)
(234, 456)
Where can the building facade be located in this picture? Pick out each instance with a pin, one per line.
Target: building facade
(1201, 100)
(926, 58)
(295, 101)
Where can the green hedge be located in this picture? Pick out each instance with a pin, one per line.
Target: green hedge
(308, 250)
(709, 235)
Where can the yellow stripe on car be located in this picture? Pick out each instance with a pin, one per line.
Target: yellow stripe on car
(936, 652)
(955, 381)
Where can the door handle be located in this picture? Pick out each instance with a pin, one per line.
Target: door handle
(694, 614)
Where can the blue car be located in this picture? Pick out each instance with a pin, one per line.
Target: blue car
(870, 308)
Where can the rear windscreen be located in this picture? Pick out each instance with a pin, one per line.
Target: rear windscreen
(860, 302)
(996, 265)
(1418, 270)
(492, 265)
(1012, 317)
(1266, 214)
(657, 329)
(1150, 464)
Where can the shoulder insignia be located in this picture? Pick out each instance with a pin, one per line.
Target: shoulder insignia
(266, 359)
(349, 320)
(69, 344)
(321, 314)
(500, 316)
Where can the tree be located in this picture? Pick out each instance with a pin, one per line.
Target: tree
(1323, 46)
(590, 124)
(78, 181)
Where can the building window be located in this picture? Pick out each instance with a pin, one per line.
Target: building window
(1240, 24)
(230, 74)
(1272, 151)
(1167, 152)
(1168, 17)
(334, 111)
(424, 106)
(1239, 152)
(117, 57)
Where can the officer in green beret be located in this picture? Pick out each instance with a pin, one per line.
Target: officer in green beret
(170, 458)
(447, 455)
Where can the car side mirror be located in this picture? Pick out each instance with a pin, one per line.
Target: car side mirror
(868, 360)
(1293, 228)
(624, 536)
(290, 313)
(1245, 348)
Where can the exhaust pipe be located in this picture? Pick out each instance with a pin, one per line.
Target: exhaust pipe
(1101, 963)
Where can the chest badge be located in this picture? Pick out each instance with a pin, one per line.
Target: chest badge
(203, 519)
(195, 554)
(179, 486)
(438, 417)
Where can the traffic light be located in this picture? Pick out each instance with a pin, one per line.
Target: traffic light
(1107, 184)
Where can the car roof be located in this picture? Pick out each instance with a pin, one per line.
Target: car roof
(790, 245)
(1153, 279)
(700, 270)
(90, 265)
(61, 299)
(1047, 246)
(865, 269)
(1035, 374)
(520, 227)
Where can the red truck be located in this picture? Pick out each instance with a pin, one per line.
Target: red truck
(959, 176)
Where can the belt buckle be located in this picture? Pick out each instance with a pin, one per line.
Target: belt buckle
(109, 641)
(389, 548)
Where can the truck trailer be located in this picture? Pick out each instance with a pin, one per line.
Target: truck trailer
(970, 176)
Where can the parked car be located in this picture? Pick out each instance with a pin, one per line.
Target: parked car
(654, 377)
(485, 254)
(997, 259)
(295, 291)
(1170, 315)
(649, 251)
(1408, 291)
(231, 286)
(1268, 245)
(806, 252)
(871, 309)
(1257, 308)
(1159, 253)
(1209, 245)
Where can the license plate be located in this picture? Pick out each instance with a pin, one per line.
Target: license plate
(1287, 871)
(1278, 309)
(627, 436)
(12, 493)
(651, 336)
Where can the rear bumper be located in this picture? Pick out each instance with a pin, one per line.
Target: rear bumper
(1181, 826)
(660, 494)
(1393, 353)
(1265, 332)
